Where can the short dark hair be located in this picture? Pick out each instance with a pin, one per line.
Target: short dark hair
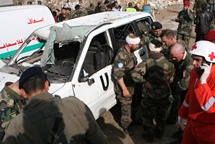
(57, 9)
(130, 4)
(204, 6)
(77, 7)
(34, 84)
(168, 33)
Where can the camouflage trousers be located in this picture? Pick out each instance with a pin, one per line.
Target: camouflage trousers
(184, 37)
(154, 110)
(126, 104)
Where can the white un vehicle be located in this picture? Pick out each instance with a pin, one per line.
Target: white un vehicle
(77, 55)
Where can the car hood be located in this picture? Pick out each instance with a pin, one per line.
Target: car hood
(4, 77)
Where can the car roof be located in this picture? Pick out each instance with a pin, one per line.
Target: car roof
(87, 23)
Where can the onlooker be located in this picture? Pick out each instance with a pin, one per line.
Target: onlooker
(156, 74)
(197, 113)
(48, 119)
(90, 9)
(109, 7)
(68, 13)
(62, 15)
(210, 36)
(203, 22)
(78, 12)
(58, 15)
(130, 7)
(12, 100)
(198, 6)
(98, 8)
(106, 3)
(116, 6)
(54, 13)
(124, 62)
(185, 19)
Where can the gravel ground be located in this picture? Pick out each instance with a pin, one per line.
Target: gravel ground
(109, 123)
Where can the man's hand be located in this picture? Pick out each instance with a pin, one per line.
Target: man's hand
(126, 93)
(182, 122)
(206, 73)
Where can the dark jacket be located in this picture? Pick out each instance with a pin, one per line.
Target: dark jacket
(40, 118)
(203, 22)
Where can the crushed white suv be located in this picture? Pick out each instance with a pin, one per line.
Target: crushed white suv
(77, 55)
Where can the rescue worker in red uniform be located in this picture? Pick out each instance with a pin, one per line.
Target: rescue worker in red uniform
(197, 113)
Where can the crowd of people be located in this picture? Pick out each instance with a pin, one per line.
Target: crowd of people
(177, 86)
(67, 13)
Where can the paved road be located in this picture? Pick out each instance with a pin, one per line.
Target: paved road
(109, 123)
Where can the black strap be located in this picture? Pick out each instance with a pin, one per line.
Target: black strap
(57, 122)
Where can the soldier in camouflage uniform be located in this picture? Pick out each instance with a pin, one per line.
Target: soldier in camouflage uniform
(78, 12)
(181, 80)
(11, 104)
(185, 19)
(154, 33)
(124, 62)
(156, 74)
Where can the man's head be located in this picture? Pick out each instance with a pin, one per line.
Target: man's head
(210, 36)
(133, 42)
(204, 6)
(78, 7)
(63, 10)
(203, 52)
(106, 2)
(186, 5)
(33, 80)
(15, 87)
(156, 28)
(168, 37)
(68, 10)
(130, 4)
(177, 52)
(57, 11)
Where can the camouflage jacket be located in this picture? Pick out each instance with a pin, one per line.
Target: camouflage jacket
(124, 62)
(79, 14)
(149, 37)
(185, 20)
(158, 71)
(183, 70)
(11, 105)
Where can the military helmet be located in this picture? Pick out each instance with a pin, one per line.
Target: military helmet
(205, 49)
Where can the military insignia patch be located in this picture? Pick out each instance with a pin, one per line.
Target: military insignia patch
(120, 65)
